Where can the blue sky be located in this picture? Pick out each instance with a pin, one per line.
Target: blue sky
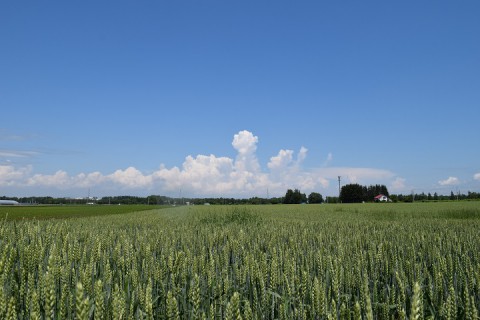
(234, 98)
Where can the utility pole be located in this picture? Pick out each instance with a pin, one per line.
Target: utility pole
(339, 177)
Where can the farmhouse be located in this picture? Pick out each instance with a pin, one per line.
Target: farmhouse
(381, 198)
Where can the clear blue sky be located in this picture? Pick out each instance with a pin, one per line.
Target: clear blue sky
(224, 98)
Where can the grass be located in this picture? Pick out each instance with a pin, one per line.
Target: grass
(68, 211)
(225, 214)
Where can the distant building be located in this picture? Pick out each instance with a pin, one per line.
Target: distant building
(8, 203)
(381, 198)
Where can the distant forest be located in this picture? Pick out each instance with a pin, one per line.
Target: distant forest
(294, 196)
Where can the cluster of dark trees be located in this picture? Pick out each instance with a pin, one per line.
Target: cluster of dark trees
(296, 197)
(355, 193)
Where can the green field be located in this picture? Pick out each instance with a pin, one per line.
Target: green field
(365, 261)
(67, 211)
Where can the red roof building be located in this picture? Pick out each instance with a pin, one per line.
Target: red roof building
(381, 198)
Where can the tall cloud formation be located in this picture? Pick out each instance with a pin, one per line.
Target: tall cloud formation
(209, 175)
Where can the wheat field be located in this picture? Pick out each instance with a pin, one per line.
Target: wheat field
(368, 261)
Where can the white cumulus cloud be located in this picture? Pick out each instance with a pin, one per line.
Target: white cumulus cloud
(131, 177)
(58, 179)
(208, 173)
(450, 181)
(61, 179)
(10, 175)
(245, 142)
(282, 160)
(246, 145)
(476, 176)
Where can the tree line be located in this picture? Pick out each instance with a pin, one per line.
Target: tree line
(435, 197)
(348, 194)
